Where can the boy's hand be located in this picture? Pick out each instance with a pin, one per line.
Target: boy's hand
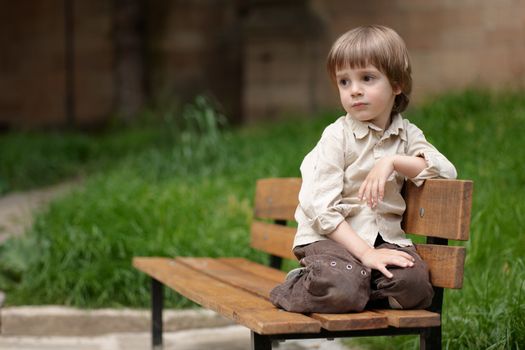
(379, 259)
(372, 189)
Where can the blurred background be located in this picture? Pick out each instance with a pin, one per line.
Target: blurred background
(79, 63)
(139, 128)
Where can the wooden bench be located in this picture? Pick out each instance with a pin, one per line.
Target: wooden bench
(239, 289)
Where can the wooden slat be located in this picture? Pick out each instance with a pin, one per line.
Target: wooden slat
(257, 269)
(439, 208)
(230, 274)
(446, 264)
(273, 239)
(260, 285)
(277, 198)
(411, 318)
(244, 308)
(354, 321)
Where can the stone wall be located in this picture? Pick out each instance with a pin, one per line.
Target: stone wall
(453, 44)
(32, 68)
(283, 52)
(194, 48)
(261, 59)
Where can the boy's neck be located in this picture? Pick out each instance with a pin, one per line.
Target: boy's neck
(383, 126)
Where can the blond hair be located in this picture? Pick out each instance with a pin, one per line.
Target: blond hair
(379, 46)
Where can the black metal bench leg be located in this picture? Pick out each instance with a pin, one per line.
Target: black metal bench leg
(261, 342)
(430, 339)
(157, 299)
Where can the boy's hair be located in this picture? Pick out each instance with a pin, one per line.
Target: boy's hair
(381, 47)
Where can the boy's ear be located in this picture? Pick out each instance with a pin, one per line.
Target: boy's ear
(396, 88)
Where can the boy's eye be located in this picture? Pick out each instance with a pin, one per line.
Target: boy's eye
(368, 77)
(343, 82)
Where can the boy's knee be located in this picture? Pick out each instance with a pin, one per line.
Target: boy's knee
(414, 290)
(328, 285)
(337, 285)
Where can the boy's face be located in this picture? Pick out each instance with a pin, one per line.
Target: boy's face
(366, 94)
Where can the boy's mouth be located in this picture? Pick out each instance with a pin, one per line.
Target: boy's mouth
(358, 104)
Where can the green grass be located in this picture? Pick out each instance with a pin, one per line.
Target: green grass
(192, 195)
(32, 159)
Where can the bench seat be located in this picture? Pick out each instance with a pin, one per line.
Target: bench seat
(239, 289)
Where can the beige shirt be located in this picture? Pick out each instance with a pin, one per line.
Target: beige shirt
(337, 166)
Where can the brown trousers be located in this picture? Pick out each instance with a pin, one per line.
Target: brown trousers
(334, 281)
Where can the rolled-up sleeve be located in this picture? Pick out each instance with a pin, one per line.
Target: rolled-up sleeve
(438, 166)
(322, 171)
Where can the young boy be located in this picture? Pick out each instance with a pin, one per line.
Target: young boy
(349, 238)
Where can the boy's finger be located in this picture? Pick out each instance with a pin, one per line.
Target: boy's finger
(405, 263)
(385, 272)
(381, 190)
(361, 191)
(407, 256)
(366, 193)
(399, 259)
(402, 254)
(374, 193)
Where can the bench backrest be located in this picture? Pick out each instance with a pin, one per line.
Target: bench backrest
(439, 210)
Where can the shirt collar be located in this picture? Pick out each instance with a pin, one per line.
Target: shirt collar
(362, 129)
(397, 127)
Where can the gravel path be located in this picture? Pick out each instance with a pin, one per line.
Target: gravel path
(17, 208)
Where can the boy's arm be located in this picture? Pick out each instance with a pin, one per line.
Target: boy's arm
(322, 173)
(373, 258)
(437, 165)
(373, 188)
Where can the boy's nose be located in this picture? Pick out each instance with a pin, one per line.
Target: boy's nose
(356, 90)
